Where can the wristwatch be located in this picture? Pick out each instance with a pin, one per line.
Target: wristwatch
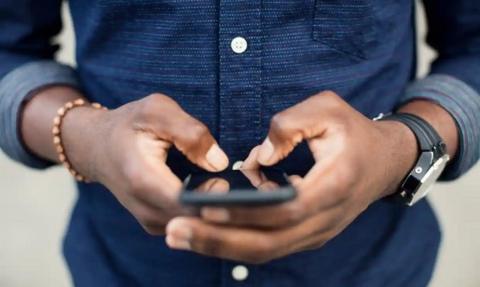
(431, 161)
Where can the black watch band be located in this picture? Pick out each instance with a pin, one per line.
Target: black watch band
(431, 160)
(427, 137)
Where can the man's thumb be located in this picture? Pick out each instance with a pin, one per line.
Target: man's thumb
(217, 158)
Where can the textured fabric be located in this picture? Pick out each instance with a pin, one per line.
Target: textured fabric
(362, 49)
(15, 89)
(463, 103)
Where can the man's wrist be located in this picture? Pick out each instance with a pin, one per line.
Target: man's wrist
(401, 150)
(81, 130)
(402, 143)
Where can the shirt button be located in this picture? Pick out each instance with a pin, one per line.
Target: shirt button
(239, 45)
(240, 273)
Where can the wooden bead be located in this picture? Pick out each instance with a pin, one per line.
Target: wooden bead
(56, 130)
(57, 140)
(79, 102)
(61, 112)
(73, 172)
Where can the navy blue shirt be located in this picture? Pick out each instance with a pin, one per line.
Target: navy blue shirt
(362, 49)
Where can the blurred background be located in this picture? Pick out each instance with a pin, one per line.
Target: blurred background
(35, 209)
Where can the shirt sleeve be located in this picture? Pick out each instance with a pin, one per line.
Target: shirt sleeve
(27, 65)
(454, 81)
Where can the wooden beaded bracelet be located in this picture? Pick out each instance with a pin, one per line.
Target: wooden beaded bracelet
(57, 134)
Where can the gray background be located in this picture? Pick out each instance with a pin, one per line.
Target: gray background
(35, 207)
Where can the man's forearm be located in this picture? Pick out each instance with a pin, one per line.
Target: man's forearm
(18, 88)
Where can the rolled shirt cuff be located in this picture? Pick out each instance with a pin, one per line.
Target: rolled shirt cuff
(15, 89)
(463, 104)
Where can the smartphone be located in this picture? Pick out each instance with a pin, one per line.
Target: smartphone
(237, 188)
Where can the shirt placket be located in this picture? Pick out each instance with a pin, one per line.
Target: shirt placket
(240, 60)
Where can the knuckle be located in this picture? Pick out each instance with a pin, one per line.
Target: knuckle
(325, 97)
(210, 245)
(198, 130)
(150, 106)
(194, 134)
(157, 98)
(329, 94)
(294, 213)
(280, 122)
(332, 103)
(331, 98)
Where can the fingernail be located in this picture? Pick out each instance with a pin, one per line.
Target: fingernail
(218, 215)
(179, 235)
(237, 165)
(217, 158)
(266, 151)
(177, 244)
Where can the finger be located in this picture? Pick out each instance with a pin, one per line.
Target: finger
(199, 146)
(241, 244)
(267, 186)
(188, 134)
(251, 162)
(258, 179)
(295, 179)
(186, 233)
(253, 175)
(147, 174)
(290, 127)
(220, 186)
(159, 187)
(217, 184)
(311, 198)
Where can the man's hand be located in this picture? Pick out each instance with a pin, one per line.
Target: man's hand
(357, 162)
(126, 150)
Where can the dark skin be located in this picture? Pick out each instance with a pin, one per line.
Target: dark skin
(358, 162)
(125, 149)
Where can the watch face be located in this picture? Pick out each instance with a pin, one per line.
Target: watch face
(430, 178)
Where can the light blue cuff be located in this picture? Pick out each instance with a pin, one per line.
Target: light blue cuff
(16, 88)
(463, 103)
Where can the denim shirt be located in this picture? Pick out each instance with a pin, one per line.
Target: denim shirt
(364, 50)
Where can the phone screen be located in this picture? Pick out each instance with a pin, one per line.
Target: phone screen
(245, 187)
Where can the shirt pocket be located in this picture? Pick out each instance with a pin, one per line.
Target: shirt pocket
(347, 26)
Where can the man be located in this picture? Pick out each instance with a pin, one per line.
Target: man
(268, 82)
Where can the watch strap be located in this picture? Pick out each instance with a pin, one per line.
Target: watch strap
(427, 138)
